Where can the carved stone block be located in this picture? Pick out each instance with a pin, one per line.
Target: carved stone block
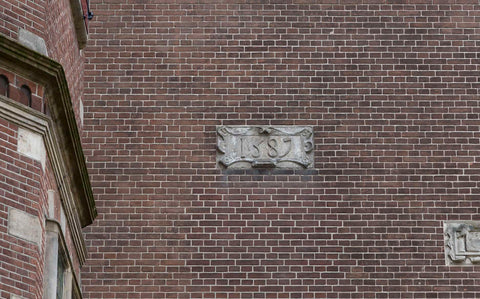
(462, 243)
(265, 147)
(24, 226)
(31, 145)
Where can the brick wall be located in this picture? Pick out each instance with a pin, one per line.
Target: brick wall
(62, 45)
(24, 181)
(391, 90)
(21, 181)
(16, 14)
(52, 21)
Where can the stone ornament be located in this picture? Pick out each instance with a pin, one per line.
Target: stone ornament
(462, 243)
(265, 147)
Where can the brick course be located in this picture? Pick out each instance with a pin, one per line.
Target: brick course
(24, 183)
(52, 21)
(21, 270)
(391, 89)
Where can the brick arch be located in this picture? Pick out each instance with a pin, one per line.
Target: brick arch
(26, 95)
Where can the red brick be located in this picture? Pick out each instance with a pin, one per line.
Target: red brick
(390, 89)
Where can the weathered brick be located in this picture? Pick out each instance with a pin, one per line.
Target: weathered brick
(391, 91)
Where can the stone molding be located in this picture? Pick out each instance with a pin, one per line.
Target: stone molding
(79, 23)
(37, 122)
(63, 127)
(54, 227)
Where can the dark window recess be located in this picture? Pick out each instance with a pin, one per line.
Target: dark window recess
(45, 106)
(4, 86)
(26, 95)
(61, 267)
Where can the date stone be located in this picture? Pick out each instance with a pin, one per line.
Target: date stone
(265, 147)
(462, 243)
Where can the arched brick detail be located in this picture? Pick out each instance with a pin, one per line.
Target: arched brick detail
(25, 95)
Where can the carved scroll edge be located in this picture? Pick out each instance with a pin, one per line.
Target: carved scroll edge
(456, 249)
(306, 132)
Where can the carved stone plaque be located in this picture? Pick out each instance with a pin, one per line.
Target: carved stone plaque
(265, 147)
(462, 243)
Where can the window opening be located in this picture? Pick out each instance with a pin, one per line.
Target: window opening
(61, 267)
(26, 95)
(4, 85)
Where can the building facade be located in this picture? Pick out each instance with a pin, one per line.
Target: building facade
(387, 210)
(240, 149)
(45, 193)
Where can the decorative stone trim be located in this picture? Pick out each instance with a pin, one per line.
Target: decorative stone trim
(32, 41)
(39, 123)
(55, 244)
(62, 124)
(31, 145)
(265, 147)
(24, 226)
(79, 23)
(462, 243)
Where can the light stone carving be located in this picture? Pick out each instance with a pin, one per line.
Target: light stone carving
(32, 41)
(462, 243)
(265, 147)
(25, 226)
(31, 145)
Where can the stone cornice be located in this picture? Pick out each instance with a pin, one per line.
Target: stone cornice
(35, 121)
(50, 74)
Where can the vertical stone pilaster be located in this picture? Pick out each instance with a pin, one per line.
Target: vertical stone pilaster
(51, 264)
